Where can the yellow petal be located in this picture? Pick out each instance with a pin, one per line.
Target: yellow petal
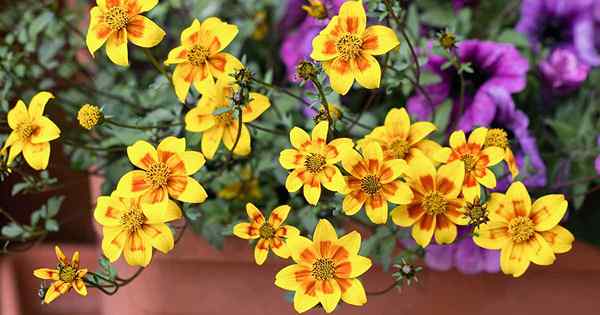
(177, 55)
(197, 120)
(498, 209)
(38, 103)
(376, 208)
(108, 212)
(290, 159)
(514, 260)
(336, 149)
(352, 162)
(254, 214)
(407, 215)
(422, 174)
(223, 65)
(312, 191)
(182, 79)
(547, 211)
(450, 178)
(293, 182)
(354, 294)
(494, 154)
(116, 48)
(218, 34)
(258, 104)
(278, 215)
(279, 248)
(422, 231)
(243, 146)
(518, 199)
(442, 155)
(142, 6)
(353, 201)
(510, 160)
(378, 40)
(420, 130)
(304, 302)
(113, 242)
(193, 161)
(290, 277)
(332, 178)
(47, 130)
(17, 115)
(133, 184)
(360, 265)
(211, 140)
(261, 251)
(55, 290)
(191, 35)
(37, 155)
(392, 169)
(540, 251)
(398, 192)
(445, 230)
(492, 235)
(319, 133)
(488, 179)
(302, 250)
(299, 138)
(324, 232)
(397, 123)
(350, 242)
(457, 139)
(144, 32)
(324, 45)
(367, 71)
(340, 74)
(80, 287)
(353, 18)
(559, 238)
(162, 212)
(137, 250)
(172, 145)
(46, 274)
(187, 189)
(160, 236)
(330, 300)
(98, 31)
(246, 231)
(477, 136)
(142, 154)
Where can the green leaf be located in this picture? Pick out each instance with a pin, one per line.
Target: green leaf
(18, 187)
(12, 230)
(40, 22)
(51, 225)
(53, 206)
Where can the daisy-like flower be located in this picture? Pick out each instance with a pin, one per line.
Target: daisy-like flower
(325, 270)
(497, 137)
(524, 232)
(199, 59)
(313, 161)
(373, 183)
(31, 132)
(476, 160)
(270, 234)
(67, 275)
(133, 228)
(116, 22)
(435, 207)
(165, 171)
(399, 139)
(218, 120)
(346, 48)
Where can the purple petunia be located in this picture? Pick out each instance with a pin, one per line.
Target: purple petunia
(495, 66)
(467, 257)
(588, 45)
(562, 71)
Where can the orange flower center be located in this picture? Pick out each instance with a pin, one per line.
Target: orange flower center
(225, 118)
(116, 18)
(521, 229)
(435, 203)
(348, 46)
(496, 137)
(25, 130)
(323, 269)
(133, 220)
(400, 148)
(314, 163)
(370, 184)
(157, 174)
(470, 162)
(198, 55)
(266, 231)
(67, 273)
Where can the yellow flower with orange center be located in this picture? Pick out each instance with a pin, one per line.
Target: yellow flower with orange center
(346, 48)
(31, 132)
(67, 275)
(165, 171)
(436, 207)
(524, 232)
(399, 139)
(270, 234)
(497, 137)
(133, 228)
(373, 183)
(476, 158)
(199, 59)
(218, 121)
(313, 161)
(325, 270)
(116, 22)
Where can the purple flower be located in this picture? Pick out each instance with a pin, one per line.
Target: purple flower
(467, 257)
(588, 44)
(562, 71)
(495, 66)
(558, 23)
(300, 29)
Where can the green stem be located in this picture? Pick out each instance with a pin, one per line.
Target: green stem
(156, 64)
(324, 103)
(122, 125)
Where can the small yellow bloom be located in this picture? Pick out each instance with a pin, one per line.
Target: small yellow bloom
(476, 160)
(524, 232)
(497, 137)
(134, 228)
(346, 48)
(400, 139)
(325, 270)
(32, 132)
(261, 23)
(435, 207)
(165, 172)
(246, 189)
(217, 120)
(313, 161)
(67, 275)
(89, 116)
(270, 234)
(200, 59)
(316, 9)
(115, 22)
(373, 183)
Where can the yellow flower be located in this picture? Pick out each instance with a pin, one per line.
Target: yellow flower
(31, 132)
(89, 116)
(270, 234)
(313, 161)
(261, 26)
(325, 269)
(346, 48)
(132, 227)
(399, 139)
(217, 120)
(435, 207)
(247, 188)
(316, 9)
(115, 22)
(476, 160)
(497, 137)
(199, 59)
(65, 276)
(165, 172)
(373, 183)
(524, 232)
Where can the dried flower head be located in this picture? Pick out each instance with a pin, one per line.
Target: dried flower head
(243, 77)
(476, 212)
(407, 273)
(447, 40)
(306, 70)
(89, 116)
